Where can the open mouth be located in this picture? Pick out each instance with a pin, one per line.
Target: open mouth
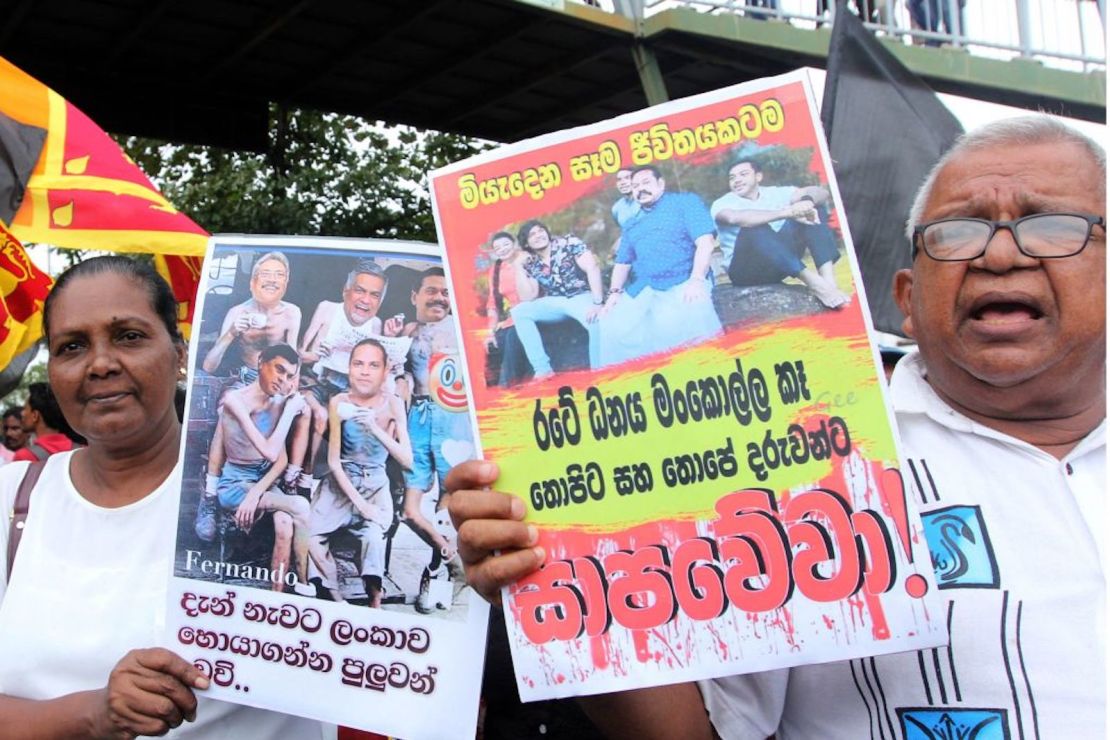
(998, 310)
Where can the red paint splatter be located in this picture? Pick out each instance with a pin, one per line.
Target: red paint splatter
(599, 651)
(894, 506)
(917, 586)
(640, 643)
(880, 630)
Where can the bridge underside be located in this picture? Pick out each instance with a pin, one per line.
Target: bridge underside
(205, 71)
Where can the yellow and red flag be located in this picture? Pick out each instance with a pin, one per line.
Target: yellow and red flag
(183, 275)
(84, 192)
(23, 288)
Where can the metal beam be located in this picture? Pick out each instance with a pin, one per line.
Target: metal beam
(458, 58)
(137, 30)
(14, 19)
(651, 77)
(1016, 82)
(365, 38)
(271, 25)
(530, 80)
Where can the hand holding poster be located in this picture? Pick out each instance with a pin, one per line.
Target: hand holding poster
(315, 570)
(707, 451)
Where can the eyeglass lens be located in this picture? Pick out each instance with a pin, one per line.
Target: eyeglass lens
(1049, 235)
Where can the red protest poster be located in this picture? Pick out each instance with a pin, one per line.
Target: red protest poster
(667, 353)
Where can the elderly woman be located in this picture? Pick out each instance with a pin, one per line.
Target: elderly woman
(86, 591)
(561, 280)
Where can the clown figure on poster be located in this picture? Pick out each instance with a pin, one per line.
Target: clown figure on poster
(439, 429)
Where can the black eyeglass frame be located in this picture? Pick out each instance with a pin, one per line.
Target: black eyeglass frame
(919, 235)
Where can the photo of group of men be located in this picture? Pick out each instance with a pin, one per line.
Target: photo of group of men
(318, 448)
(552, 306)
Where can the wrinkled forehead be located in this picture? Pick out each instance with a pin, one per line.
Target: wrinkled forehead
(1049, 176)
(366, 282)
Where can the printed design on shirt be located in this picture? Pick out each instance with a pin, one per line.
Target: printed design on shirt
(923, 481)
(960, 548)
(953, 724)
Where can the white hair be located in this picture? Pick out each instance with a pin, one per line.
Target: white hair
(1028, 130)
(269, 257)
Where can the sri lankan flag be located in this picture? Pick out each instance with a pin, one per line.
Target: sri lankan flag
(83, 192)
(23, 288)
(183, 275)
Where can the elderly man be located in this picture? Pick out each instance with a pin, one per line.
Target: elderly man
(666, 251)
(1002, 413)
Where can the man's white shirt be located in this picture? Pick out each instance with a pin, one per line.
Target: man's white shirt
(1015, 536)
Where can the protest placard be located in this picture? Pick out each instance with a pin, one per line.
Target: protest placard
(668, 358)
(314, 571)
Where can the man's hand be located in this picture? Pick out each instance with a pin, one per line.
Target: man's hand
(596, 312)
(486, 521)
(241, 325)
(491, 341)
(804, 212)
(365, 510)
(393, 326)
(695, 290)
(370, 418)
(295, 404)
(149, 692)
(247, 513)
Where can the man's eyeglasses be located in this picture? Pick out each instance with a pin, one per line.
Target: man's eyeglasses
(271, 275)
(1040, 235)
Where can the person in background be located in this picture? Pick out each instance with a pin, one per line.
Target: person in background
(14, 436)
(43, 418)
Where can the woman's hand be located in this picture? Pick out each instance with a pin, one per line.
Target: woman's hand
(486, 521)
(149, 692)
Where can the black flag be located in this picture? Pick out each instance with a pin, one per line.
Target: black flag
(886, 129)
(20, 146)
